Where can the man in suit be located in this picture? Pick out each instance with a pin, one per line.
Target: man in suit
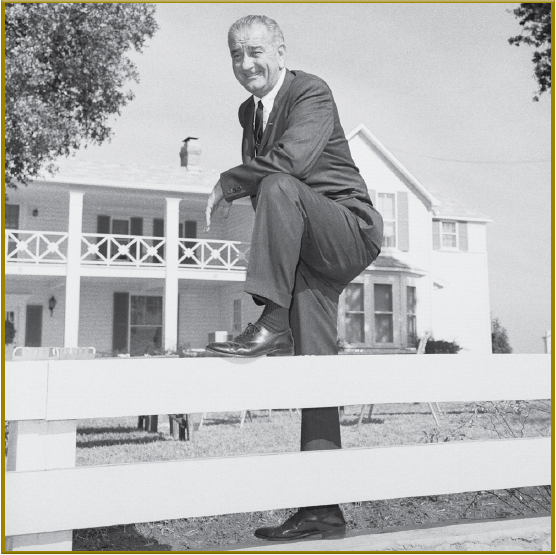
(315, 227)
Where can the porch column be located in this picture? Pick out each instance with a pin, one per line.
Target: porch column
(73, 277)
(171, 233)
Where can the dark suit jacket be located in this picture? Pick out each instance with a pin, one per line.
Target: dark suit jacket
(304, 138)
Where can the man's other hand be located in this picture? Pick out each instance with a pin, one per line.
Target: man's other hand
(216, 200)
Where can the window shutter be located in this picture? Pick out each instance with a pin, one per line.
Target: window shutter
(158, 231)
(372, 194)
(436, 235)
(403, 222)
(11, 216)
(121, 322)
(136, 228)
(158, 227)
(462, 231)
(103, 226)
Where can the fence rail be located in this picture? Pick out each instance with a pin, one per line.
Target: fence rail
(49, 247)
(122, 250)
(46, 496)
(114, 250)
(210, 254)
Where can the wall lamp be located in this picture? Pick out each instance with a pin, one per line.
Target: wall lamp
(52, 302)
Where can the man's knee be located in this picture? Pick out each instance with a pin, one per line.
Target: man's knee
(279, 185)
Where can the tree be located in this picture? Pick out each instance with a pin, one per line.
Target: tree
(536, 22)
(66, 70)
(500, 341)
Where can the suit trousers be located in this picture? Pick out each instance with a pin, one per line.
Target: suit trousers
(305, 250)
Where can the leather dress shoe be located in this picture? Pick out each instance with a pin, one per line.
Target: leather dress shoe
(255, 341)
(328, 523)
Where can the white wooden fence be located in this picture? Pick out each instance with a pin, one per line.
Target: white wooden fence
(46, 497)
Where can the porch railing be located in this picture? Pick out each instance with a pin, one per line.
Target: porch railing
(35, 247)
(211, 254)
(107, 249)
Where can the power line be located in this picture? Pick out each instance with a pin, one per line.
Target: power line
(473, 161)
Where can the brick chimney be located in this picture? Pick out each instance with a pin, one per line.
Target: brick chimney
(190, 154)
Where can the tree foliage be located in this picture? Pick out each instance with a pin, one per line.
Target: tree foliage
(500, 341)
(66, 73)
(535, 20)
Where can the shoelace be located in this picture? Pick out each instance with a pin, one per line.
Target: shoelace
(251, 329)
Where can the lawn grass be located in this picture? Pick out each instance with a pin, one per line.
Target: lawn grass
(117, 440)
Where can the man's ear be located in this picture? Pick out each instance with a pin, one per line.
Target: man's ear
(282, 55)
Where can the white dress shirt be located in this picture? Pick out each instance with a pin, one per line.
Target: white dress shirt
(268, 100)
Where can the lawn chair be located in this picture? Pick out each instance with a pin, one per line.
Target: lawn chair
(420, 351)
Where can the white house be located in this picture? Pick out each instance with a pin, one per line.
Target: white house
(116, 258)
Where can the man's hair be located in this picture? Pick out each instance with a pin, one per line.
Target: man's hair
(274, 30)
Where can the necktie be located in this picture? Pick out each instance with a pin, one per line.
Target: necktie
(258, 126)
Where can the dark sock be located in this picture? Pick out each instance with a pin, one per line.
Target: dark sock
(275, 317)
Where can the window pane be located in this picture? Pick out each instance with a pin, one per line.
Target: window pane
(449, 227)
(146, 310)
(411, 300)
(383, 298)
(354, 297)
(386, 206)
(384, 328)
(153, 314)
(389, 234)
(449, 241)
(355, 328)
(412, 329)
(145, 339)
(138, 310)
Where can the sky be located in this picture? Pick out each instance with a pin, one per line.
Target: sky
(437, 84)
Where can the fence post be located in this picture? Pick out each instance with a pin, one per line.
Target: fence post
(41, 445)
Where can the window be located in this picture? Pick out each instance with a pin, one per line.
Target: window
(411, 315)
(384, 313)
(449, 234)
(145, 324)
(386, 206)
(355, 313)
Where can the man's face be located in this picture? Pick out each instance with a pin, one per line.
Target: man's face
(256, 61)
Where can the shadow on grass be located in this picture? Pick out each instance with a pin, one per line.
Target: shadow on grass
(107, 430)
(115, 538)
(119, 441)
(207, 422)
(350, 423)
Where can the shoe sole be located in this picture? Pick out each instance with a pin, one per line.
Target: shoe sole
(280, 353)
(335, 535)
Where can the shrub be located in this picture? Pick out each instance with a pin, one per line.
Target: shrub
(436, 346)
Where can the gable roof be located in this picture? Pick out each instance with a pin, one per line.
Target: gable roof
(132, 176)
(451, 210)
(411, 181)
(440, 205)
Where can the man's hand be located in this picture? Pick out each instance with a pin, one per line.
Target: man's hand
(216, 200)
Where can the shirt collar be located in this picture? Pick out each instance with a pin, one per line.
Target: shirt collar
(268, 99)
